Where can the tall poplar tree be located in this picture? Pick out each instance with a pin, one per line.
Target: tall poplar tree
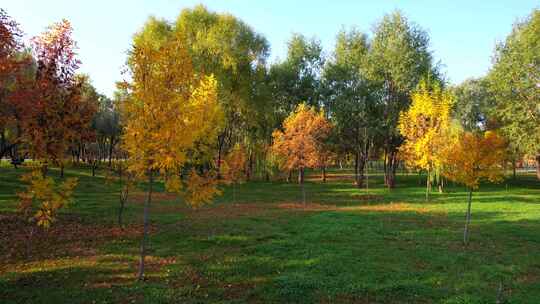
(399, 57)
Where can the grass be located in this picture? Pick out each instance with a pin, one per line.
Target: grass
(346, 246)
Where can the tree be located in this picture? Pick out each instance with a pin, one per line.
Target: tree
(42, 199)
(349, 99)
(471, 158)
(514, 80)
(88, 104)
(425, 126)
(59, 113)
(472, 102)
(170, 109)
(16, 85)
(297, 78)
(399, 57)
(228, 48)
(57, 116)
(107, 124)
(235, 167)
(299, 143)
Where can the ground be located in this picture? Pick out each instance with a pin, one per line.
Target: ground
(347, 245)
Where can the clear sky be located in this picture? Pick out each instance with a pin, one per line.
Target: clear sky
(463, 32)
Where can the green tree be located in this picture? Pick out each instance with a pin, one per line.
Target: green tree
(225, 46)
(348, 94)
(514, 81)
(297, 78)
(472, 101)
(399, 57)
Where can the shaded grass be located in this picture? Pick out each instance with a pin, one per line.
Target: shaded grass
(392, 247)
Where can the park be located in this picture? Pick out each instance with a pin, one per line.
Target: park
(214, 173)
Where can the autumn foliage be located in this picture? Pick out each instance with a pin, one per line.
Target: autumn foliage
(59, 112)
(44, 197)
(170, 110)
(475, 157)
(471, 158)
(426, 127)
(299, 144)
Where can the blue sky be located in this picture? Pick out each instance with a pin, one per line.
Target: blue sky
(463, 33)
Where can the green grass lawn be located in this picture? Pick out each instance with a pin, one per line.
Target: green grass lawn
(348, 245)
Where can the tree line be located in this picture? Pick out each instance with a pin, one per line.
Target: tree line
(202, 104)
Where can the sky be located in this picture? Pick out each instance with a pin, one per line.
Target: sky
(463, 32)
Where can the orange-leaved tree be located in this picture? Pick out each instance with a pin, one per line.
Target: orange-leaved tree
(472, 158)
(59, 113)
(299, 144)
(55, 115)
(234, 167)
(170, 109)
(425, 126)
(16, 85)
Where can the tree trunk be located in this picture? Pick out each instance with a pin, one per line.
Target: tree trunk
(249, 169)
(467, 220)
(44, 169)
(94, 166)
(538, 166)
(123, 199)
(145, 228)
(513, 168)
(124, 192)
(390, 169)
(301, 182)
(62, 170)
(289, 176)
(384, 167)
(367, 174)
(356, 161)
(323, 174)
(428, 185)
(111, 146)
(221, 142)
(29, 241)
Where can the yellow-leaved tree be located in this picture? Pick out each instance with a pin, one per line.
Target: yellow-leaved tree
(425, 126)
(301, 142)
(170, 110)
(472, 158)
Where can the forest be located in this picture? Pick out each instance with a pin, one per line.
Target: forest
(357, 174)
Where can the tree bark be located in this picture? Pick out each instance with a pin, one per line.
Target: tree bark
(145, 228)
(94, 166)
(538, 166)
(513, 168)
(44, 169)
(249, 169)
(390, 169)
(428, 185)
(289, 176)
(124, 194)
(111, 147)
(301, 182)
(356, 160)
(467, 220)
